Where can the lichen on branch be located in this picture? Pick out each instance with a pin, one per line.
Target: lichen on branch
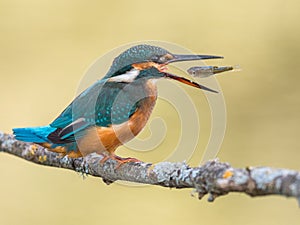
(214, 178)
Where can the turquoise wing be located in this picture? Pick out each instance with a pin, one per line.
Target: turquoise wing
(103, 104)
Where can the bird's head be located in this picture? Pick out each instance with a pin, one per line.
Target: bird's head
(149, 62)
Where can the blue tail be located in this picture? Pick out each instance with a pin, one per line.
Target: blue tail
(33, 134)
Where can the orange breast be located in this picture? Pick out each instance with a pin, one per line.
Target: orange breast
(99, 139)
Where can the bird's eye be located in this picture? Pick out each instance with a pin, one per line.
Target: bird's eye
(162, 59)
(165, 58)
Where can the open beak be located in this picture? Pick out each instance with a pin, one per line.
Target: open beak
(179, 58)
(188, 82)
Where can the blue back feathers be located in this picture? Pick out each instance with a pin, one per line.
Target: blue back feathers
(102, 104)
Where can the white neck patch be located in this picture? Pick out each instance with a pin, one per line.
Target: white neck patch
(127, 77)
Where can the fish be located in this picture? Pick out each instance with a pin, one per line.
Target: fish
(206, 71)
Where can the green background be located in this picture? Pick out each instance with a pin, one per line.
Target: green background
(47, 46)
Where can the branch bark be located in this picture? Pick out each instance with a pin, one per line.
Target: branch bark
(214, 178)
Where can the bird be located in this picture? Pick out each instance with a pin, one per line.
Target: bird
(114, 109)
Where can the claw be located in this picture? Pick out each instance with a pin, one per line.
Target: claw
(104, 159)
(119, 159)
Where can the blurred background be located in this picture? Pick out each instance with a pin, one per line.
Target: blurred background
(46, 47)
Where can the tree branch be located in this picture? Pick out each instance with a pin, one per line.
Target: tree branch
(213, 178)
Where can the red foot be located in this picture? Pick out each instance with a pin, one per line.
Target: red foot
(119, 159)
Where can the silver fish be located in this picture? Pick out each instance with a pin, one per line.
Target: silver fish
(206, 71)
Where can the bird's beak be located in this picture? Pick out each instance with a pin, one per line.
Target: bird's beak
(188, 82)
(179, 58)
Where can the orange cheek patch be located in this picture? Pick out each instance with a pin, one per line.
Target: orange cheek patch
(147, 65)
(144, 65)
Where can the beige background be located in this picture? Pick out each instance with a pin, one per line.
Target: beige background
(45, 49)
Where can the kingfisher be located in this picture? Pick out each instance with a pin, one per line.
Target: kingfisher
(114, 109)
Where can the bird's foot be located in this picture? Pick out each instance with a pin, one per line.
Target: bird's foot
(119, 159)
